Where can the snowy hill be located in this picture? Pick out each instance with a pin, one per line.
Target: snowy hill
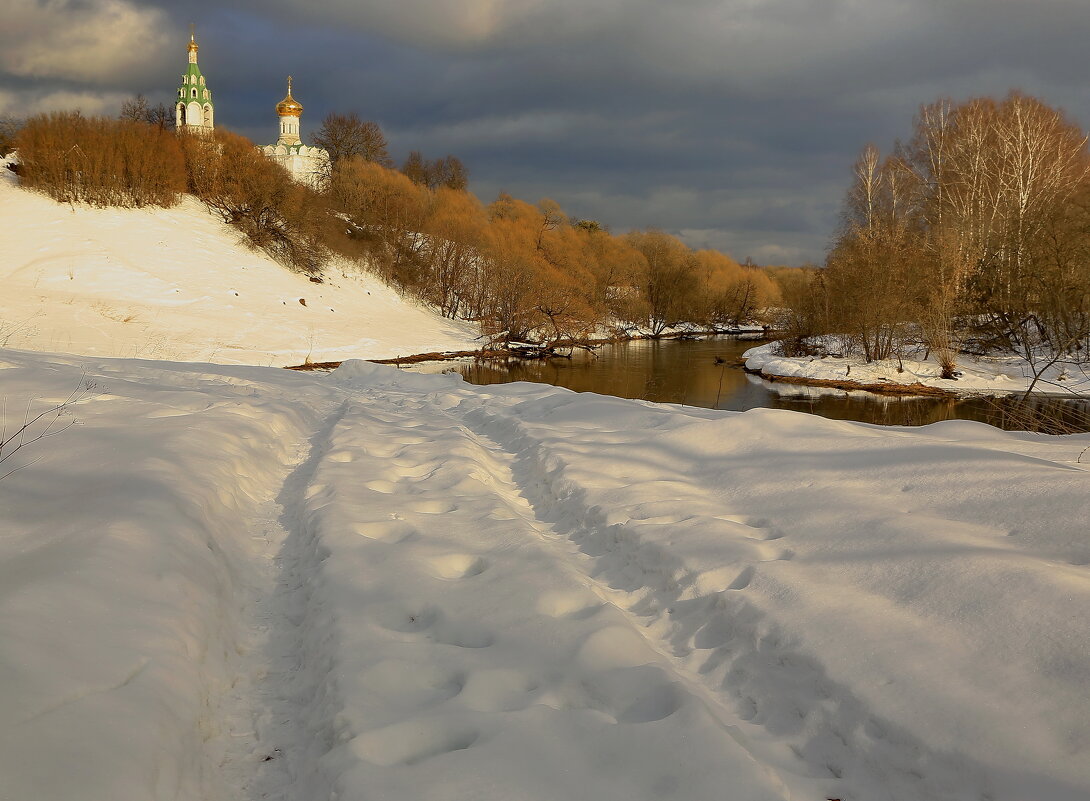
(178, 284)
(243, 583)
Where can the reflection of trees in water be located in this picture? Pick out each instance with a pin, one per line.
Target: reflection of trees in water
(1044, 415)
(687, 372)
(883, 410)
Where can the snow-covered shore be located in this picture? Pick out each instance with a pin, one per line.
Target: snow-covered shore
(243, 583)
(991, 375)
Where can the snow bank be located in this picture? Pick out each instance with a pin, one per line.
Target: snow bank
(125, 570)
(991, 375)
(179, 284)
(243, 583)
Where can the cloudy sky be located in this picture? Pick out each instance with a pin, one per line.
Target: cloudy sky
(732, 123)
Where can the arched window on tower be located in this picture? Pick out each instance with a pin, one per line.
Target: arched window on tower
(194, 91)
(208, 116)
(181, 113)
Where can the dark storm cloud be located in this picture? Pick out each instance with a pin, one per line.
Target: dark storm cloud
(730, 122)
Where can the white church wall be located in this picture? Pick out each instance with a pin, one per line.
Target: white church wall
(307, 165)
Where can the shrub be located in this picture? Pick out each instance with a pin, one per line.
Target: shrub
(257, 196)
(100, 161)
(389, 205)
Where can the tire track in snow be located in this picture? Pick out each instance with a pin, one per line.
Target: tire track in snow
(776, 700)
(428, 469)
(469, 649)
(284, 704)
(509, 470)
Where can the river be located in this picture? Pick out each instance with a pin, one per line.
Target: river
(700, 372)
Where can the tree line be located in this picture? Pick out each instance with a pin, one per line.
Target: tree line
(346, 136)
(974, 236)
(529, 271)
(523, 271)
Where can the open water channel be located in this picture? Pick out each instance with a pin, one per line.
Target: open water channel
(700, 372)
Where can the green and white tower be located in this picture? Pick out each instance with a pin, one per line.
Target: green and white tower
(194, 110)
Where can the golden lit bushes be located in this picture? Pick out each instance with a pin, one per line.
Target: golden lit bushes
(100, 161)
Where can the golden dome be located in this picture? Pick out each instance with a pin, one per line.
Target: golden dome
(289, 106)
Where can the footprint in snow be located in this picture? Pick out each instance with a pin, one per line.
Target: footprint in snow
(456, 566)
(743, 580)
(570, 605)
(413, 741)
(391, 531)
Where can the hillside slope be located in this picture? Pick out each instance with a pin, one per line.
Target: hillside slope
(179, 284)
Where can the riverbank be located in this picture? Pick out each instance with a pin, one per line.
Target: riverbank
(531, 351)
(978, 376)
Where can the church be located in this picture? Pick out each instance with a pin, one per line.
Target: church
(308, 165)
(195, 112)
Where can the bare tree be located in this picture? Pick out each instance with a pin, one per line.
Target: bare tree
(9, 129)
(449, 172)
(869, 278)
(415, 168)
(976, 231)
(666, 279)
(391, 206)
(138, 109)
(994, 174)
(346, 136)
(135, 109)
(446, 172)
(162, 117)
(511, 270)
(456, 230)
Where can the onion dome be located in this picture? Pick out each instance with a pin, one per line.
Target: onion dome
(193, 48)
(289, 106)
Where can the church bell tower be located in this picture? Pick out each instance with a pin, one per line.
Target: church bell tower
(193, 110)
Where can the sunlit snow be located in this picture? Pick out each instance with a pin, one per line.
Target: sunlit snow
(180, 284)
(247, 583)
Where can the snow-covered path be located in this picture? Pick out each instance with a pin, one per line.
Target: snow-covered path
(380, 585)
(478, 634)
(278, 718)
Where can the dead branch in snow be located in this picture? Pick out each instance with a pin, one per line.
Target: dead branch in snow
(35, 427)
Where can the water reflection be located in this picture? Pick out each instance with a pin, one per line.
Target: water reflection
(701, 373)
